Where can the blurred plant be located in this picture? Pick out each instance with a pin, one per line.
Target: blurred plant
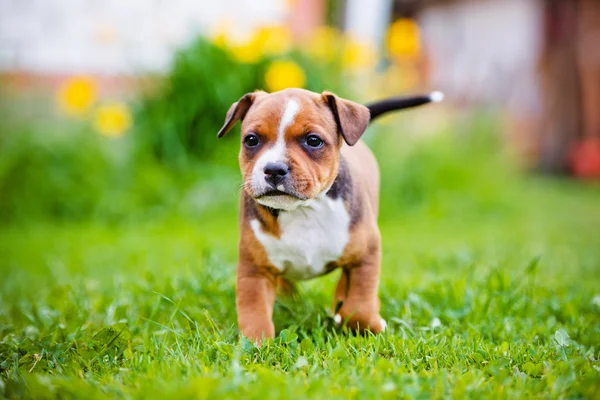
(180, 117)
(76, 95)
(246, 52)
(403, 38)
(324, 44)
(219, 36)
(112, 119)
(446, 173)
(284, 74)
(44, 172)
(396, 78)
(403, 67)
(178, 121)
(274, 40)
(358, 56)
(51, 175)
(270, 40)
(47, 175)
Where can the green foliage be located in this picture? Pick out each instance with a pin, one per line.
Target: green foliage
(489, 280)
(504, 308)
(50, 175)
(180, 119)
(183, 115)
(68, 172)
(465, 173)
(78, 175)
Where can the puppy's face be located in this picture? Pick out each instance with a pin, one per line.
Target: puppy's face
(290, 143)
(289, 148)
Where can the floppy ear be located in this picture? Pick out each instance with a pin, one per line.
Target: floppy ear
(237, 112)
(351, 118)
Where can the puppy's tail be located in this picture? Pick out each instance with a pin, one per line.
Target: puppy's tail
(398, 103)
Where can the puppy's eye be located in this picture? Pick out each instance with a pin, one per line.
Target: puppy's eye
(314, 141)
(251, 140)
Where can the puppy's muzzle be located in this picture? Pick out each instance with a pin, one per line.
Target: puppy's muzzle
(275, 173)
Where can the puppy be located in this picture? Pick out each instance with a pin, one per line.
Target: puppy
(309, 202)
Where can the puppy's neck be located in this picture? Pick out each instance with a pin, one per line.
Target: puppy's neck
(273, 211)
(342, 184)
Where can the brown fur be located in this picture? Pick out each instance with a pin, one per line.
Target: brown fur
(311, 175)
(337, 121)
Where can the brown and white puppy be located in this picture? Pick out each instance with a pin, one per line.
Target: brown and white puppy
(309, 202)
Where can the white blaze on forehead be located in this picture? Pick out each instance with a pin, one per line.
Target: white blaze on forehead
(291, 108)
(277, 151)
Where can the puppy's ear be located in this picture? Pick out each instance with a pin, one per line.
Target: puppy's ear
(237, 112)
(351, 118)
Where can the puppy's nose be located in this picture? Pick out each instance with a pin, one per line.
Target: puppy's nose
(275, 172)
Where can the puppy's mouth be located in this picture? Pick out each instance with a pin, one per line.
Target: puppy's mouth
(276, 192)
(279, 199)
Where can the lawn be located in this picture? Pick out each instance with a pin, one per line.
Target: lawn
(490, 286)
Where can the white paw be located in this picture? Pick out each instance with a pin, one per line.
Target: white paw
(337, 318)
(383, 325)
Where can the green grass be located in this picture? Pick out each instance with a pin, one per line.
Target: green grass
(490, 286)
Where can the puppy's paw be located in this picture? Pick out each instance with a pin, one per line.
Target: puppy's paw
(337, 318)
(258, 332)
(378, 328)
(383, 325)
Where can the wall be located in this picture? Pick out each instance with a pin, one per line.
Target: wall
(485, 50)
(115, 36)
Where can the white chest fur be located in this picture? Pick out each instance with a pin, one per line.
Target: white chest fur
(312, 235)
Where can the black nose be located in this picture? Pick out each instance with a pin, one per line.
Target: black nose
(275, 172)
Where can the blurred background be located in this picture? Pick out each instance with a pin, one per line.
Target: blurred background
(109, 110)
(119, 206)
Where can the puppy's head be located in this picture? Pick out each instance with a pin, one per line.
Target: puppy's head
(290, 143)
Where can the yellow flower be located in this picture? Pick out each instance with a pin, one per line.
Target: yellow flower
(248, 53)
(284, 74)
(323, 44)
(404, 38)
(267, 40)
(357, 55)
(76, 95)
(112, 119)
(219, 35)
(220, 40)
(273, 40)
(250, 47)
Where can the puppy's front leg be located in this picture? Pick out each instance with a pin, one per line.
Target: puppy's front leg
(255, 296)
(357, 290)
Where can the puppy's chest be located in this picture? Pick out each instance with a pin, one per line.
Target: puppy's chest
(311, 237)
